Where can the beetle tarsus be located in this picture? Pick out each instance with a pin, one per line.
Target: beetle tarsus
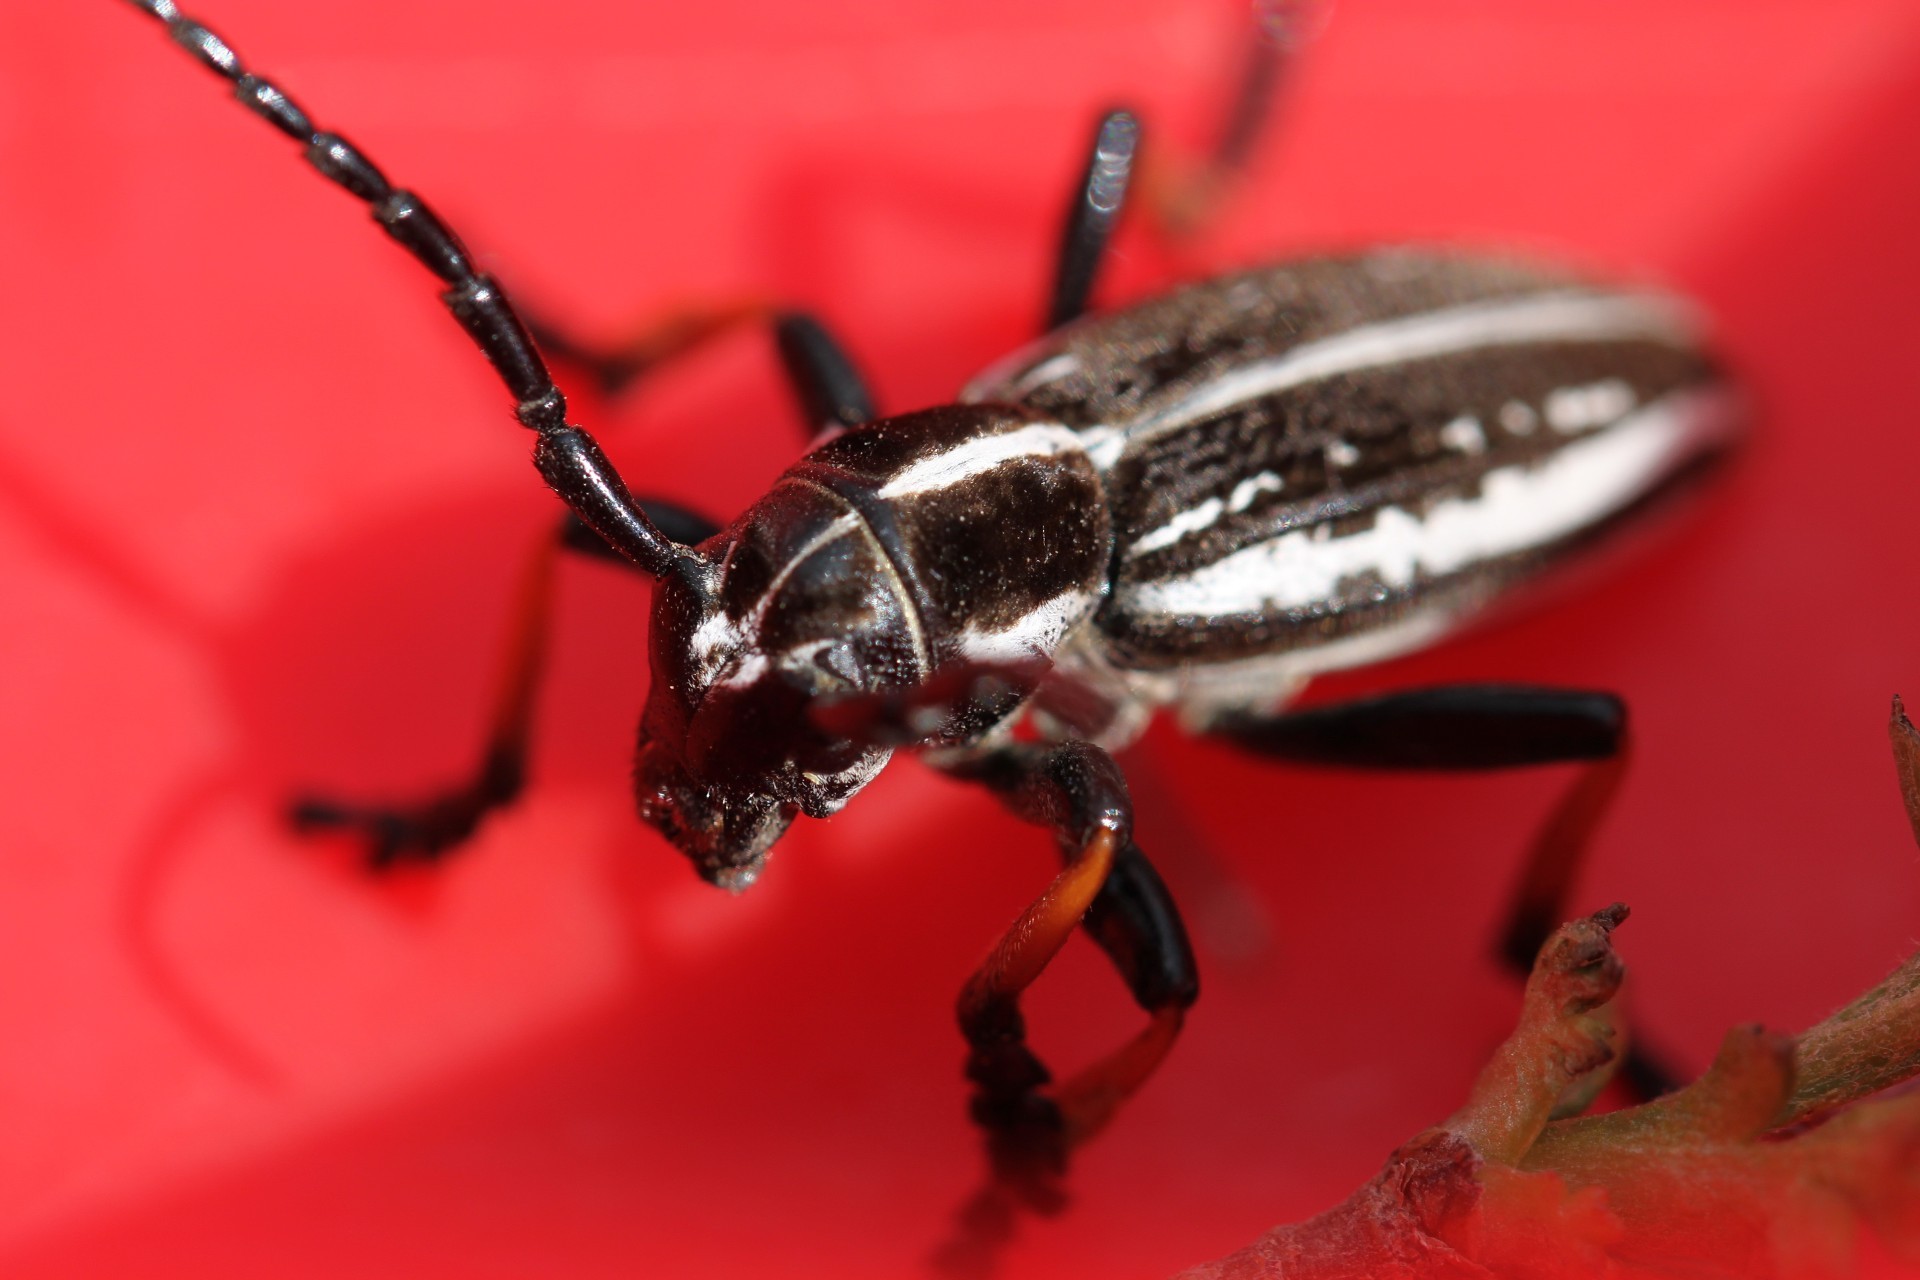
(425, 832)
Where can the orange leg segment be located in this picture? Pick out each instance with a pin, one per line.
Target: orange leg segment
(1107, 886)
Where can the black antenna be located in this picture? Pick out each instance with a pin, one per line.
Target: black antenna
(566, 455)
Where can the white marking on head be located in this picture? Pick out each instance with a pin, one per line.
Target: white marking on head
(717, 636)
(1518, 507)
(1566, 316)
(720, 637)
(1464, 434)
(755, 664)
(1576, 408)
(981, 454)
(1341, 453)
(1037, 633)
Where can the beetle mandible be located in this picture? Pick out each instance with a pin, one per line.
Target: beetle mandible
(1198, 503)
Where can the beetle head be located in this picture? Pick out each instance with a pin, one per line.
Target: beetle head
(799, 606)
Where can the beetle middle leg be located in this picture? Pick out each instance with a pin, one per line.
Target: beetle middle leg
(1475, 727)
(1108, 886)
(1181, 197)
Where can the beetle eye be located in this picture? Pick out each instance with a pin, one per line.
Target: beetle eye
(837, 660)
(822, 667)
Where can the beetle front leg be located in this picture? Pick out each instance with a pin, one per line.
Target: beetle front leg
(1076, 790)
(827, 385)
(429, 829)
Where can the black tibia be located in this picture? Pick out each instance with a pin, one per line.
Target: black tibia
(828, 385)
(1546, 885)
(1092, 215)
(1469, 726)
(662, 339)
(568, 458)
(1076, 790)
(1184, 199)
(1264, 59)
(825, 381)
(1474, 726)
(429, 829)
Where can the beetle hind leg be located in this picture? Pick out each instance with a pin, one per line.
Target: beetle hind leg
(1473, 727)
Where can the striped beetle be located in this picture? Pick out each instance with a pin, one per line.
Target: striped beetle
(1199, 503)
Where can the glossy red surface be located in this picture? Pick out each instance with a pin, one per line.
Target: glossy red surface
(260, 507)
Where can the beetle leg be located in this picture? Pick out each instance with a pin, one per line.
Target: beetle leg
(833, 394)
(1451, 727)
(828, 386)
(1109, 887)
(660, 340)
(1184, 196)
(1181, 198)
(427, 830)
(1473, 727)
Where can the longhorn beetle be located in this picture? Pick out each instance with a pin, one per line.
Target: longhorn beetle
(1199, 502)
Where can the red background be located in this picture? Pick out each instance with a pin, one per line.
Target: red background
(260, 509)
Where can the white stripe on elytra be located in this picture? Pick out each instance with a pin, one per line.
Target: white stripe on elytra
(984, 453)
(1252, 487)
(1465, 434)
(1594, 405)
(1550, 317)
(1207, 514)
(1518, 507)
(1064, 365)
(1034, 634)
(1189, 521)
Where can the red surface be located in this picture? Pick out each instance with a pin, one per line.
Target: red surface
(259, 509)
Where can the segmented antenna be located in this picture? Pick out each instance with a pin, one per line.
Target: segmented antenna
(566, 455)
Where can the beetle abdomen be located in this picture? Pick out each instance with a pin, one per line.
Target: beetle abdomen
(1340, 458)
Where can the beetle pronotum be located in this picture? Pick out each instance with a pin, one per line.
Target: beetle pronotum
(1199, 503)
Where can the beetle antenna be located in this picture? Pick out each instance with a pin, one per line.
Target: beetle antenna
(566, 455)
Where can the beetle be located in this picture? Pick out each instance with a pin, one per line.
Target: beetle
(1198, 503)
